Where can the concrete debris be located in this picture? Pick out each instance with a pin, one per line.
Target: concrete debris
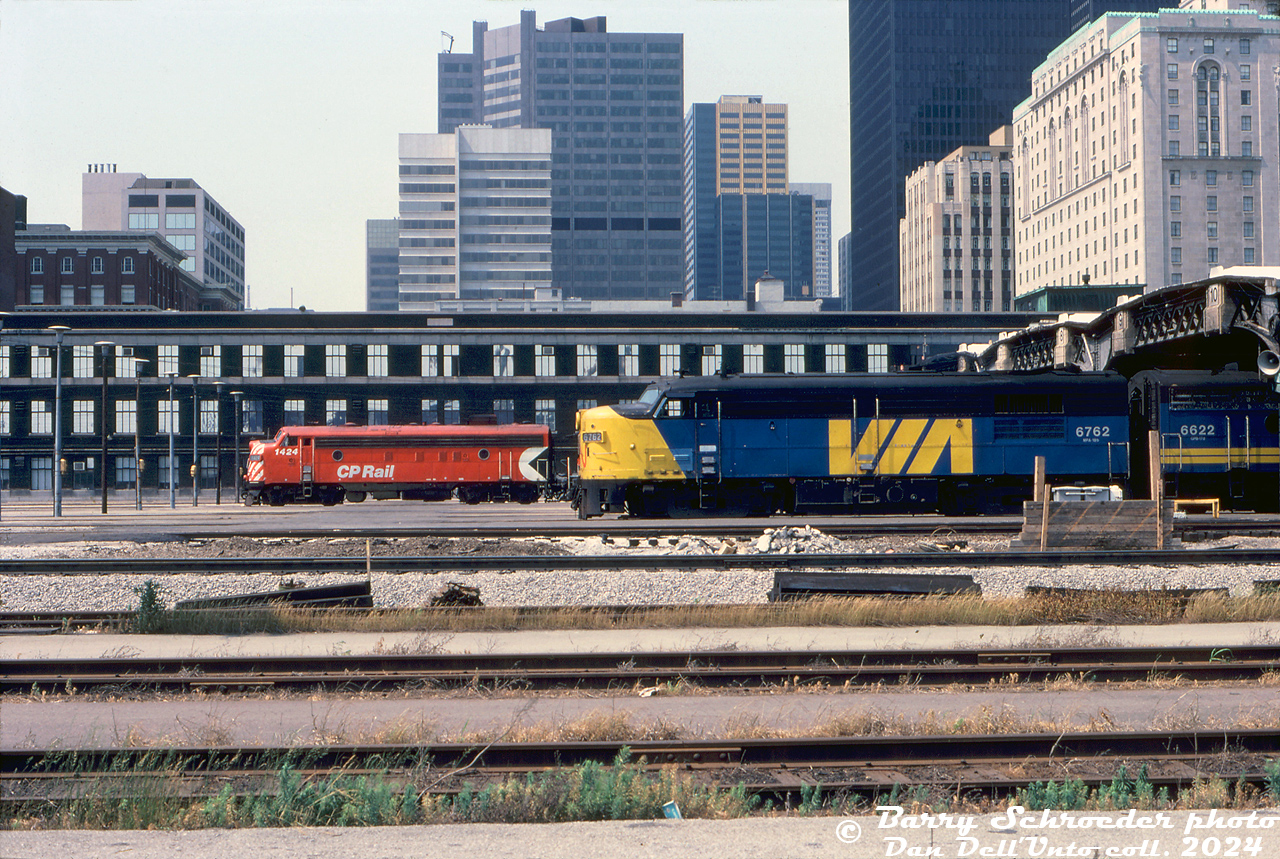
(456, 594)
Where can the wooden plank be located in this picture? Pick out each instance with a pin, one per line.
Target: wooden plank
(791, 583)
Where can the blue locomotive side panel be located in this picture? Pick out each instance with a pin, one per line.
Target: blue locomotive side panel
(1218, 429)
(984, 446)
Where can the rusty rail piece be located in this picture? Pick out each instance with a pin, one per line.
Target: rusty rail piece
(627, 670)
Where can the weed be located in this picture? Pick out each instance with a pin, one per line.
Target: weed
(152, 612)
(1272, 769)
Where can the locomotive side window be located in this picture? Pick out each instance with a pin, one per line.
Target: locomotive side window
(483, 453)
(1028, 404)
(337, 456)
(705, 408)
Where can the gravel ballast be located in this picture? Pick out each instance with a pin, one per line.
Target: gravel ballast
(409, 590)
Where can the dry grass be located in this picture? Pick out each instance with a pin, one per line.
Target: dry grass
(1098, 607)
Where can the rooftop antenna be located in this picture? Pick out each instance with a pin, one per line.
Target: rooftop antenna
(448, 48)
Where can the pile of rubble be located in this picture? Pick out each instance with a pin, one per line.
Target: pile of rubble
(795, 541)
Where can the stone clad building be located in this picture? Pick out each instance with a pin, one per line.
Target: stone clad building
(1146, 153)
(956, 241)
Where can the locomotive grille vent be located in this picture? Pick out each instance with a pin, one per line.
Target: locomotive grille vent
(1030, 427)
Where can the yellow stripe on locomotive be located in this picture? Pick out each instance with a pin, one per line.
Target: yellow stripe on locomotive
(895, 446)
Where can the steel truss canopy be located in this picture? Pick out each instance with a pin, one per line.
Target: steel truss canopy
(1208, 324)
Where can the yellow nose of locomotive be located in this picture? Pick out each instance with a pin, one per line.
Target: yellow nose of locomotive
(615, 447)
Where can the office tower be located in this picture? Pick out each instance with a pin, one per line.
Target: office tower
(460, 83)
(613, 103)
(845, 265)
(926, 77)
(1087, 11)
(382, 264)
(821, 193)
(956, 240)
(13, 217)
(1147, 149)
(738, 220)
(763, 234)
(751, 145)
(475, 214)
(181, 211)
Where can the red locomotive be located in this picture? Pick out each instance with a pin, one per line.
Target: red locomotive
(329, 465)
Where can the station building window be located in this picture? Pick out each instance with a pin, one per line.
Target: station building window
(294, 360)
(377, 359)
(167, 416)
(251, 416)
(251, 361)
(712, 357)
(835, 355)
(503, 360)
(877, 357)
(544, 361)
(82, 417)
(41, 417)
(505, 411)
(335, 360)
(587, 360)
(629, 360)
(753, 358)
(295, 413)
(335, 413)
(544, 412)
(669, 359)
(379, 412)
(793, 358)
(127, 417)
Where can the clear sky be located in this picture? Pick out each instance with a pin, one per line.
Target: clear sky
(287, 111)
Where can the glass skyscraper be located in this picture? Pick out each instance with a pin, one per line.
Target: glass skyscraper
(613, 103)
(926, 77)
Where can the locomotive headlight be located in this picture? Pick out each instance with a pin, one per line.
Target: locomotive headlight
(588, 437)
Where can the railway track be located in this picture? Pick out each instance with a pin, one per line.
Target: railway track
(635, 561)
(780, 768)
(854, 527)
(629, 670)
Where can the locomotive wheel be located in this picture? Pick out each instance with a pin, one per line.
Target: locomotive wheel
(275, 498)
(355, 497)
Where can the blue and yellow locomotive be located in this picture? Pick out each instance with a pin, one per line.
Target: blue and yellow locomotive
(755, 445)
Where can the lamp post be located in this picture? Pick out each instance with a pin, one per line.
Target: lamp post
(236, 395)
(217, 442)
(104, 346)
(195, 440)
(137, 432)
(173, 419)
(3, 316)
(58, 332)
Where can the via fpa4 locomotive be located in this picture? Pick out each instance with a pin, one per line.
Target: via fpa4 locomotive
(953, 442)
(947, 442)
(329, 465)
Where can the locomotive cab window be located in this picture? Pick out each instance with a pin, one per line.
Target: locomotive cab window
(675, 409)
(705, 408)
